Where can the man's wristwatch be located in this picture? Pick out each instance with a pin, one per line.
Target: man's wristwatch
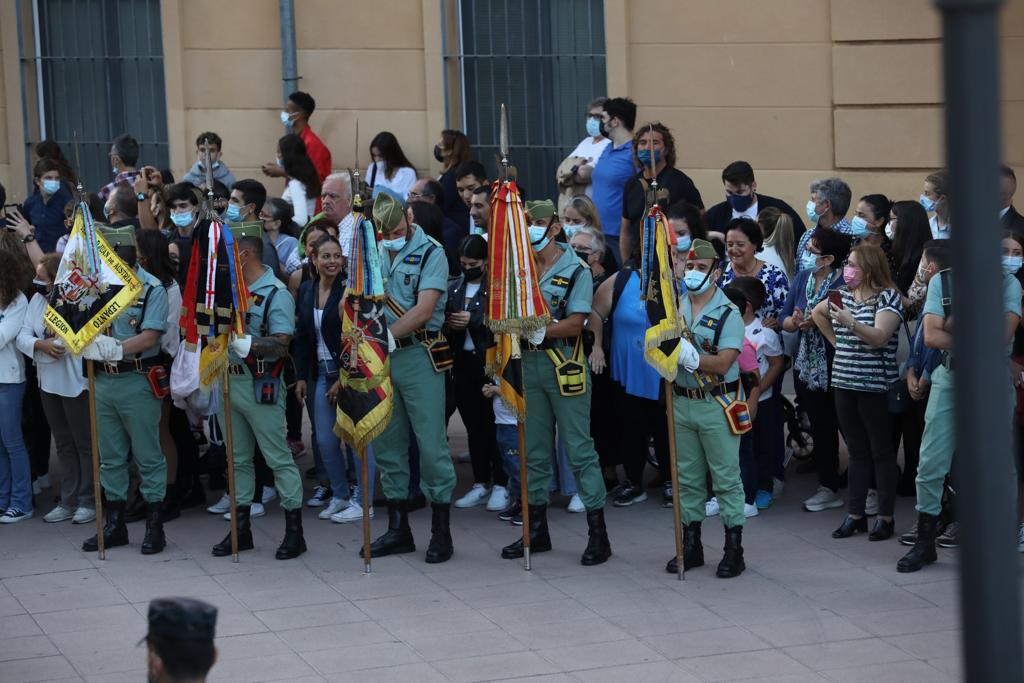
(141, 197)
(28, 238)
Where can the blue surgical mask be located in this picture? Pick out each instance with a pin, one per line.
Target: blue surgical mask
(106, 212)
(571, 229)
(538, 238)
(697, 282)
(811, 213)
(927, 203)
(113, 169)
(233, 214)
(1011, 264)
(808, 261)
(182, 220)
(861, 229)
(683, 243)
(51, 186)
(285, 118)
(593, 127)
(644, 155)
(396, 244)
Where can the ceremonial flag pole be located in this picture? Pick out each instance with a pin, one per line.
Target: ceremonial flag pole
(515, 306)
(94, 437)
(661, 341)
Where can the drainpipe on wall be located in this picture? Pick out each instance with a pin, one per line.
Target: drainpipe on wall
(289, 63)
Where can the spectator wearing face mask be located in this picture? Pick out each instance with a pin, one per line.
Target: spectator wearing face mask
(451, 151)
(827, 208)
(909, 231)
(574, 174)
(390, 167)
(935, 200)
(45, 208)
(209, 143)
(614, 167)
(870, 220)
(743, 199)
(297, 111)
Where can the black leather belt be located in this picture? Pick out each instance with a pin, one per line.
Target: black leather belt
(416, 338)
(139, 365)
(236, 369)
(947, 361)
(727, 388)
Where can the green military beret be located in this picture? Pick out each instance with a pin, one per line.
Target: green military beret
(539, 209)
(387, 212)
(118, 237)
(702, 249)
(249, 229)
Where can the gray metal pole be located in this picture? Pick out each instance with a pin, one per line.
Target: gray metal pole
(989, 588)
(289, 63)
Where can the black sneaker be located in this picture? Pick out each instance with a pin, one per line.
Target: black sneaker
(614, 492)
(628, 495)
(666, 494)
(513, 510)
(950, 536)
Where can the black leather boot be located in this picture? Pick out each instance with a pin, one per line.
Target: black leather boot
(294, 544)
(540, 541)
(136, 511)
(923, 551)
(398, 538)
(440, 548)
(115, 533)
(223, 549)
(598, 547)
(732, 561)
(170, 508)
(155, 541)
(693, 550)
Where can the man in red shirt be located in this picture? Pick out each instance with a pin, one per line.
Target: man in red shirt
(296, 114)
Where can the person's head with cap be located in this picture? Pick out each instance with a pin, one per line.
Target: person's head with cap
(390, 217)
(249, 237)
(544, 225)
(122, 241)
(180, 640)
(702, 268)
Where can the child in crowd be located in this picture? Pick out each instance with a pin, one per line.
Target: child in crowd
(507, 436)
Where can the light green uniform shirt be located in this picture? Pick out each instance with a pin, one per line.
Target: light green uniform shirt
(703, 330)
(1011, 299)
(554, 286)
(134, 320)
(280, 317)
(407, 274)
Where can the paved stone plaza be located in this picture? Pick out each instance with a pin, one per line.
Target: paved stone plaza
(808, 608)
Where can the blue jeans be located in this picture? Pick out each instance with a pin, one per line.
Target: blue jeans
(508, 449)
(331, 453)
(15, 470)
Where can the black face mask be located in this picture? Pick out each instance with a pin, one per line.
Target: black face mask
(604, 129)
(40, 287)
(437, 153)
(473, 274)
(584, 256)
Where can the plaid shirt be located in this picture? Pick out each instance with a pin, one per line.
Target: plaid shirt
(122, 177)
(843, 226)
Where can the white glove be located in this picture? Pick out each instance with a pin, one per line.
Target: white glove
(104, 348)
(537, 337)
(689, 357)
(391, 342)
(241, 345)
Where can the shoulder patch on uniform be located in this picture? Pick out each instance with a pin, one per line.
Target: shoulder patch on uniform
(413, 258)
(709, 322)
(257, 299)
(559, 281)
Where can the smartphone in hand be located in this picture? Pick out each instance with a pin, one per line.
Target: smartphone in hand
(835, 298)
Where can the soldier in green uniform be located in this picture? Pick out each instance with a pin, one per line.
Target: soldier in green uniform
(556, 384)
(127, 410)
(258, 395)
(416, 281)
(704, 439)
(938, 439)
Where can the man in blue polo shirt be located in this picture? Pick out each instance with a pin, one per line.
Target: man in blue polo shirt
(614, 168)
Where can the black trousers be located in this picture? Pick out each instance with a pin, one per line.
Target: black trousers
(908, 427)
(639, 421)
(37, 429)
(821, 411)
(867, 427)
(604, 423)
(478, 415)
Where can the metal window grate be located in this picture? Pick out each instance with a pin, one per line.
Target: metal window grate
(97, 71)
(545, 59)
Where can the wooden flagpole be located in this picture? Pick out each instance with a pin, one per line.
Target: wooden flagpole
(524, 492)
(95, 439)
(229, 447)
(673, 463)
(367, 490)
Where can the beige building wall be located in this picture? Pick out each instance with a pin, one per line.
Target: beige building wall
(800, 88)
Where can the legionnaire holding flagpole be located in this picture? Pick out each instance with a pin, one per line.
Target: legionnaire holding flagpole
(130, 387)
(416, 282)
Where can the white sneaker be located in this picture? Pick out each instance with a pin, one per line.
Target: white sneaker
(334, 507)
(14, 515)
(824, 499)
(255, 510)
(778, 486)
(59, 514)
(475, 496)
(498, 500)
(750, 510)
(576, 505)
(221, 506)
(871, 503)
(711, 508)
(1020, 538)
(269, 494)
(321, 497)
(353, 513)
(84, 516)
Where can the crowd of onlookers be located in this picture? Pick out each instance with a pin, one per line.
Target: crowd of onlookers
(844, 333)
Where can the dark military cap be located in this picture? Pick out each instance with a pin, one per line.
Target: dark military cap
(182, 619)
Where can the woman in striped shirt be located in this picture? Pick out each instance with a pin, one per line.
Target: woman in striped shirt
(863, 330)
